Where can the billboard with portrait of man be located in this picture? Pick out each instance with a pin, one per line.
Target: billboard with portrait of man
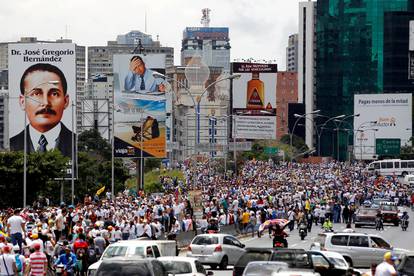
(42, 85)
(139, 105)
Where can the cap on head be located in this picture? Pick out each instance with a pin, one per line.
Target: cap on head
(36, 246)
(388, 256)
(16, 248)
(6, 249)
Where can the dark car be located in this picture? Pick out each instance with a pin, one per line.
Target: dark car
(390, 213)
(124, 266)
(365, 217)
(295, 259)
(406, 266)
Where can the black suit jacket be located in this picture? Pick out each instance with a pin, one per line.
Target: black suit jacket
(63, 143)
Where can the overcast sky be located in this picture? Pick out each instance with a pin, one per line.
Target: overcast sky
(258, 28)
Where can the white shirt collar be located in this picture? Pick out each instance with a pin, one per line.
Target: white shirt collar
(51, 136)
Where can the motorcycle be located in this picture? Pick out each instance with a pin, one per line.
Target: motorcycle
(404, 224)
(302, 233)
(279, 242)
(62, 270)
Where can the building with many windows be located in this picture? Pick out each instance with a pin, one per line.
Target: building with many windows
(292, 53)
(354, 46)
(212, 44)
(306, 65)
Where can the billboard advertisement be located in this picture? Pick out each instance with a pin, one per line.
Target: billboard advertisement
(382, 116)
(139, 106)
(254, 100)
(42, 82)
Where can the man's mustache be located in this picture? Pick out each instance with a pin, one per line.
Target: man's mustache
(46, 111)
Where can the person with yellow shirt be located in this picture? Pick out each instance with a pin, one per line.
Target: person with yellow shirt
(245, 219)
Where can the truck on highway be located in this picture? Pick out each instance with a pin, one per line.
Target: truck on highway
(133, 248)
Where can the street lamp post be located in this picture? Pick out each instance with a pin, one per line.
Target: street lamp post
(323, 126)
(338, 128)
(199, 98)
(25, 137)
(297, 120)
(358, 129)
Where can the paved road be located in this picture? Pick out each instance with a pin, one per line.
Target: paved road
(392, 234)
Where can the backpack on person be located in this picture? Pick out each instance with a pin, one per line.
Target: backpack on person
(19, 264)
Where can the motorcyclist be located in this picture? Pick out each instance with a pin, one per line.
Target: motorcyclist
(379, 224)
(280, 236)
(327, 225)
(303, 226)
(212, 226)
(68, 259)
(404, 218)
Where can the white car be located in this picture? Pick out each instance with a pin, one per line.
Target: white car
(216, 250)
(131, 248)
(295, 272)
(184, 266)
(259, 268)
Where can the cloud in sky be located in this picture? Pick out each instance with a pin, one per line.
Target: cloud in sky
(258, 29)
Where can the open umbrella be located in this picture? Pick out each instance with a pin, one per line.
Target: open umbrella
(271, 222)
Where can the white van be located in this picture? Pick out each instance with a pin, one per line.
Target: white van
(130, 248)
(392, 167)
(409, 180)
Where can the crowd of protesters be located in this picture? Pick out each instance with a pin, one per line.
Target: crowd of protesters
(36, 239)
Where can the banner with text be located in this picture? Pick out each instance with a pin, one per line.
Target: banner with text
(42, 88)
(255, 127)
(254, 100)
(382, 116)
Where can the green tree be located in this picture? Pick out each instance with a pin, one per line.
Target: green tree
(297, 142)
(42, 169)
(95, 167)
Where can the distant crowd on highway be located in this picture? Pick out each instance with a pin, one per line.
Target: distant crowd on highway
(42, 236)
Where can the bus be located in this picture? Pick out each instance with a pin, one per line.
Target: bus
(392, 167)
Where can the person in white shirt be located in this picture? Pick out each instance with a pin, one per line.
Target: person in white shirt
(7, 263)
(16, 228)
(386, 268)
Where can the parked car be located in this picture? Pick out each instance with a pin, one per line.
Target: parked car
(263, 268)
(390, 212)
(406, 265)
(341, 265)
(409, 180)
(295, 258)
(131, 266)
(378, 201)
(365, 217)
(358, 249)
(295, 272)
(131, 248)
(184, 266)
(216, 250)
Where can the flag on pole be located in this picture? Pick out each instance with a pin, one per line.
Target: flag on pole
(100, 191)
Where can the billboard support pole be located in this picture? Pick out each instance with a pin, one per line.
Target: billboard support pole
(112, 152)
(73, 155)
(234, 147)
(25, 154)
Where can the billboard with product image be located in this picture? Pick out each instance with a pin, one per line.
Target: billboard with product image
(139, 106)
(382, 116)
(254, 100)
(42, 82)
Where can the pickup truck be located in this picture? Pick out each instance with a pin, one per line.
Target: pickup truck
(132, 248)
